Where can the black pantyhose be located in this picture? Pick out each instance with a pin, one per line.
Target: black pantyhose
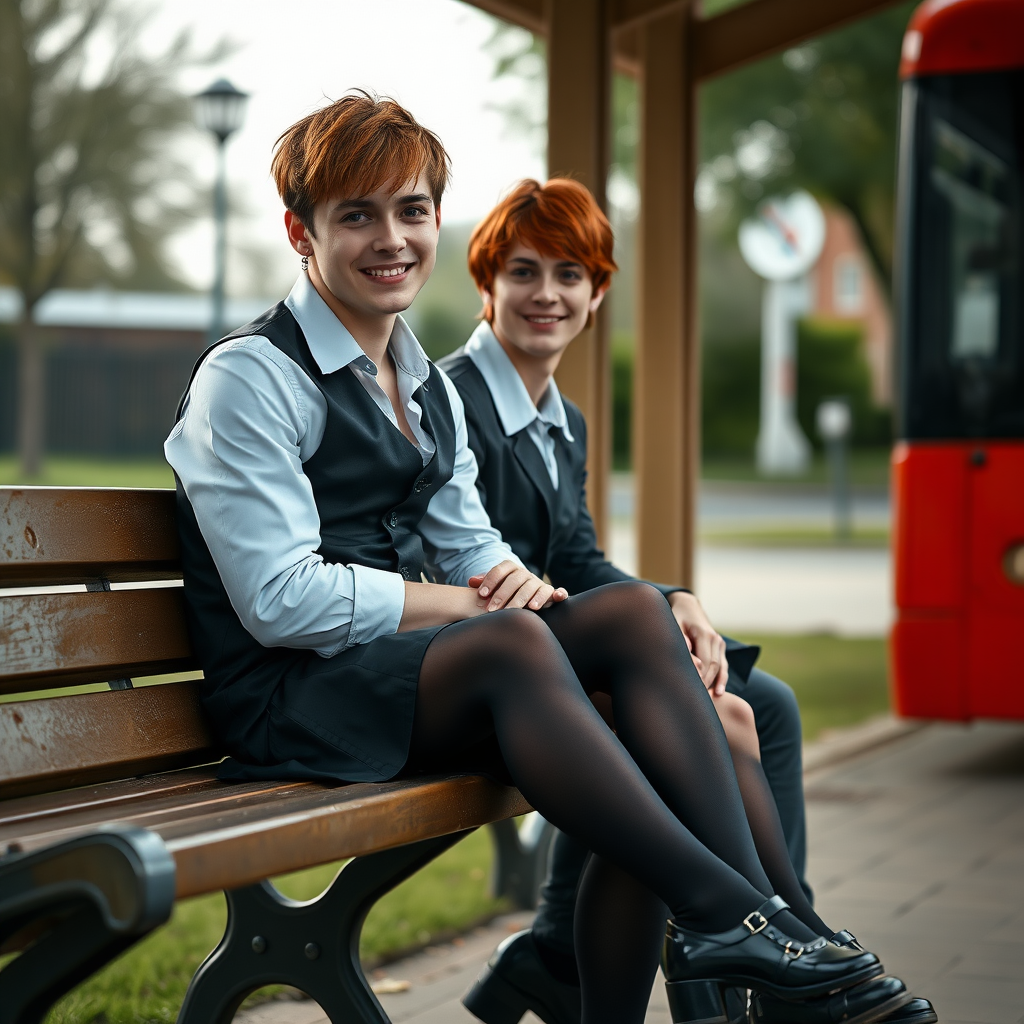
(507, 674)
(620, 924)
(639, 657)
(619, 928)
(766, 828)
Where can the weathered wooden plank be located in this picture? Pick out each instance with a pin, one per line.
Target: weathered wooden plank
(252, 834)
(760, 28)
(62, 639)
(179, 812)
(51, 535)
(528, 14)
(68, 741)
(107, 800)
(353, 821)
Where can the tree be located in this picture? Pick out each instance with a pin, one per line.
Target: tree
(88, 191)
(822, 116)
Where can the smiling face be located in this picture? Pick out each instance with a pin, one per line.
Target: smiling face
(371, 254)
(540, 303)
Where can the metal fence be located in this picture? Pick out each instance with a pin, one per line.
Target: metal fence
(100, 403)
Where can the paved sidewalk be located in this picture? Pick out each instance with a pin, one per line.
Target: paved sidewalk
(917, 846)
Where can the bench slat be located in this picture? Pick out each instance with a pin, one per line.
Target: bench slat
(52, 535)
(68, 741)
(382, 816)
(110, 799)
(253, 835)
(60, 639)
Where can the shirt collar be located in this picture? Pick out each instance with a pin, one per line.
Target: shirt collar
(332, 345)
(515, 407)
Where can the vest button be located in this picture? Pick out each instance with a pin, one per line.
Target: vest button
(405, 572)
(393, 520)
(420, 484)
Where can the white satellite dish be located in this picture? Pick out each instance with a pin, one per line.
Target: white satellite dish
(784, 239)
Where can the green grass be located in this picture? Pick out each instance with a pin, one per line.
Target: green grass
(869, 468)
(800, 537)
(71, 471)
(148, 983)
(838, 681)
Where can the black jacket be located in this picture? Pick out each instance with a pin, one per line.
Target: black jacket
(550, 530)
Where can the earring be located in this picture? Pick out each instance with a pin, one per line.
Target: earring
(305, 264)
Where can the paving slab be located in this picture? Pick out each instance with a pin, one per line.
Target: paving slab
(916, 845)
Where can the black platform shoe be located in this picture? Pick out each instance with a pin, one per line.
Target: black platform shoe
(757, 955)
(916, 1011)
(515, 980)
(706, 1002)
(865, 1003)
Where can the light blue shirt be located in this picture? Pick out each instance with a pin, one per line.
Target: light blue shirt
(515, 407)
(252, 417)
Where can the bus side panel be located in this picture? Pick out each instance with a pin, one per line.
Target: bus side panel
(929, 488)
(926, 666)
(995, 603)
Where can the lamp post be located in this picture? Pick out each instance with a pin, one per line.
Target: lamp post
(221, 110)
(834, 423)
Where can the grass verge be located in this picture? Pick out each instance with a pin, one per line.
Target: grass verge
(804, 537)
(71, 471)
(838, 681)
(868, 468)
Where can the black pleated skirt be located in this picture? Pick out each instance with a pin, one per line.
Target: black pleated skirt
(348, 718)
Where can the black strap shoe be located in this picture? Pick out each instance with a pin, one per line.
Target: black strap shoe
(515, 980)
(869, 1001)
(757, 955)
(916, 1011)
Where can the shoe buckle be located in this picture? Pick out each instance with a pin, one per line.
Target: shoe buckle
(749, 922)
(790, 946)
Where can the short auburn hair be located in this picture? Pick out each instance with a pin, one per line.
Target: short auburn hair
(559, 219)
(351, 148)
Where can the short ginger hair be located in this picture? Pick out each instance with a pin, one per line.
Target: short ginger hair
(351, 148)
(559, 219)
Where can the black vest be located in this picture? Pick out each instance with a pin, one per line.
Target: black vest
(371, 490)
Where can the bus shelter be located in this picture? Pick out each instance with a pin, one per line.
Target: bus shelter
(671, 47)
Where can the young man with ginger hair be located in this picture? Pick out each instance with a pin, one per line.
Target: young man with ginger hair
(542, 261)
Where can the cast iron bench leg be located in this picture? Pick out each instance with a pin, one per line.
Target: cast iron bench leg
(521, 858)
(313, 946)
(72, 908)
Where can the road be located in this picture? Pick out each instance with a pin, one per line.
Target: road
(839, 590)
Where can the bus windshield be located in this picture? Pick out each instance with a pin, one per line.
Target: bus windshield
(962, 344)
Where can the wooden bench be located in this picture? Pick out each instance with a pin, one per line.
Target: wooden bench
(109, 804)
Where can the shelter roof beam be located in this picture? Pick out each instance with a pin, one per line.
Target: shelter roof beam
(721, 43)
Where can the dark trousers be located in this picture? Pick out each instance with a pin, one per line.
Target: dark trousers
(777, 717)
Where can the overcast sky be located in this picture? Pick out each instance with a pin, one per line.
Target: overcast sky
(295, 54)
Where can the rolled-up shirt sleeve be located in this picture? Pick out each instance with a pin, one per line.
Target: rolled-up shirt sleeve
(459, 539)
(238, 451)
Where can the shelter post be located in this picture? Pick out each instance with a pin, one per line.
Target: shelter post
(666, 417)
(579, 116)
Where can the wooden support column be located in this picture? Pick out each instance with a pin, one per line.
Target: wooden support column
(579, 116)
(666, 418)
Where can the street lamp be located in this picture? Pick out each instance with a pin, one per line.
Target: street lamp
(221, 110)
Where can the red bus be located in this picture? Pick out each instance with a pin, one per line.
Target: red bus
(958, 467)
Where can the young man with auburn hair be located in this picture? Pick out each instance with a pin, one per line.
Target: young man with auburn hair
(322, 466)
(542, 261)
